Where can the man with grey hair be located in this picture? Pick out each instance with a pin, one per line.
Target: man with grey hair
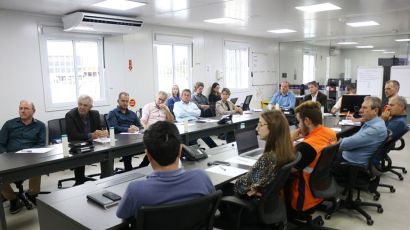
(17, 134)
(283, 97)
(83, 124)
(156, 111)
(359, 147)
(124, 120)
(397, 121)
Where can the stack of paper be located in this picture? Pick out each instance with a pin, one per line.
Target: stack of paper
(226, 170)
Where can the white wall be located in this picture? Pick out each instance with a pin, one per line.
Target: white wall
(21, 74)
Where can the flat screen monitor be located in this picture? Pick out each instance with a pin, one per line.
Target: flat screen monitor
(349, 102)
(333, 82)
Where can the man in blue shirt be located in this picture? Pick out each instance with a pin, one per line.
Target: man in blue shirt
(284, 98)
(397, 122)
(17, 134)
(359, 147)
(124, 120)
(169, 183)
(185, 109)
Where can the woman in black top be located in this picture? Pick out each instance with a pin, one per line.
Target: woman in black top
(215, 95)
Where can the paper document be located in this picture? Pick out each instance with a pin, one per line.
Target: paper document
(226, 170)
(102, 140)
(257, 110)
(349, 122)
(242, 160)
(247, 112)
(337, 129)
(36, 150)
(209, 120)
(127, 133)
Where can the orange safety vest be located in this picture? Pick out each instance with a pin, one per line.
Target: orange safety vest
(302, 198)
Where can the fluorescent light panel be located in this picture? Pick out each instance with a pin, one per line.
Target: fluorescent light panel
(281, 31)
(364, 47)
(223, 20)
(318, 7)
(362, 24)
(378, 50)
(347, 43)
(389, 52)
(403, 40)
(119, 4)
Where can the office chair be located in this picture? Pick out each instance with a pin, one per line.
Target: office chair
(388, 164)
(260, 213)
(362, 178)
(246, 103)
(193, 214)
(323, 185)
(58, 127)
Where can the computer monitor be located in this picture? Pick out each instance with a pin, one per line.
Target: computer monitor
(333, 82)
(350, 102)
(247, 102)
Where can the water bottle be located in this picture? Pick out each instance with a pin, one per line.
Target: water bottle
(112, 136)
(269, 106)
(64, 140)
(277, 107)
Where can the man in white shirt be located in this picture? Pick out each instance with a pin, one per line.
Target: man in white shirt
(185, 109)
(350, 90)
(156, 111)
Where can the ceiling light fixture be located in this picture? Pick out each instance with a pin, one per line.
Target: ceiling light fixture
(362, 24)
(364, 47)
(403, 40)
(224, 20)
(281, 31)
(389, 52)
(347, 43)
(378, 50)
(119, 4)
(318, 7)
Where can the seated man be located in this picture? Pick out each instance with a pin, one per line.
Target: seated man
(156, 111)
(83, 124)
(201, 100)
(316, 95)
(169, 183)
(316, 137)
(397, 122)
(359, 147)
(350, 90)
(124, 120)
(285, 99)
(391, 89)
(17, 134)
(185, 110)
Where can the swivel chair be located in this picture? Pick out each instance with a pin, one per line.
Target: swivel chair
(193, 214)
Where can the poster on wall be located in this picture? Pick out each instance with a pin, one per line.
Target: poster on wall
(402, 75)
(370, 81)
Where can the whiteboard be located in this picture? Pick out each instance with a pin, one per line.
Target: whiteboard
(370, 81)
(402, 75)
(262, 72)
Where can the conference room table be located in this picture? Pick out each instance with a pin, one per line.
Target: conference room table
(19, 166)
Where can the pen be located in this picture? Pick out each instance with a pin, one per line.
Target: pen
(224, 169)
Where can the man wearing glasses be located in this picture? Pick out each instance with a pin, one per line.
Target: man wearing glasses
(124, 120)
(156, 111)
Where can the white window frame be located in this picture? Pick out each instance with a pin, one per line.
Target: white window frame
(312, 55)
(173, 40)
(55, 33)
(237, 45)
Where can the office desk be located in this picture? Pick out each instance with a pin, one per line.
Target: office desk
(70, 209)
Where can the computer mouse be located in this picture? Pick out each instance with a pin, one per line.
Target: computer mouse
(210, 163)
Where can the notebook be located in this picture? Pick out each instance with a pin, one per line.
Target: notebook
(101, 200)
(247, 143)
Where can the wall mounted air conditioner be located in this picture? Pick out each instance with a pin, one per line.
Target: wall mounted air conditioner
(100, 23)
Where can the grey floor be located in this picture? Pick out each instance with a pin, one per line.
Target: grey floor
(395, 205)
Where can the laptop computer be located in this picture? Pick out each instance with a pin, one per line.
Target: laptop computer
(247, 143)
(234, 100)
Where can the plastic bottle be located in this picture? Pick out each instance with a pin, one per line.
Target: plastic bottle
(66, 149)
(112, 136)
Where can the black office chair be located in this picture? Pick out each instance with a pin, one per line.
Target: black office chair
(233, 100)
(362, 178)
(266, 211)
(57, 127)
(192, 214)
(323, 185)
(246, 103)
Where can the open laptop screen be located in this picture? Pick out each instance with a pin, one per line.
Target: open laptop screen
(246, 140)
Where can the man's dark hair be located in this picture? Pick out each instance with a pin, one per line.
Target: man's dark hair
(162, 141)
(314, 83)
(186, 90)
(311, 110)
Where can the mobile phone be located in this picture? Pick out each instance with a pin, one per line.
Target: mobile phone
(219, 163)
(112, 196)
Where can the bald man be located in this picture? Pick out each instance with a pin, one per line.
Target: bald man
(21, 133)
(391, 89)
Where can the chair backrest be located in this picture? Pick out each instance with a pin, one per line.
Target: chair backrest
(271, 208)
(247, 102)
(104, 121)
(322, 183)
(188, 215)
(380, 153)
(56, 128)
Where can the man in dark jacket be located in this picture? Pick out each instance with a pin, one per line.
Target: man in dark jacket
(316, 95)
(83, 124)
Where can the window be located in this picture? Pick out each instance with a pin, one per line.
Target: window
(236, 65)
(72, 66)
(308, 67)
(173, 59)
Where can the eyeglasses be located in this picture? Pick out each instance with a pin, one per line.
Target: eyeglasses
(261, 125)
(162, 99)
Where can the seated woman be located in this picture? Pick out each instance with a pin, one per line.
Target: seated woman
(226, 107)
(175, 97)
(274, 129)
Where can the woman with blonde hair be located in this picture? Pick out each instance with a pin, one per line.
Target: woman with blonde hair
(274, 129)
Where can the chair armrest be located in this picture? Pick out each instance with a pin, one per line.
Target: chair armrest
(402, 144)
(234, 200)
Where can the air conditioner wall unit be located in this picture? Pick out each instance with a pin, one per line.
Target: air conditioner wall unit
(100, 23)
